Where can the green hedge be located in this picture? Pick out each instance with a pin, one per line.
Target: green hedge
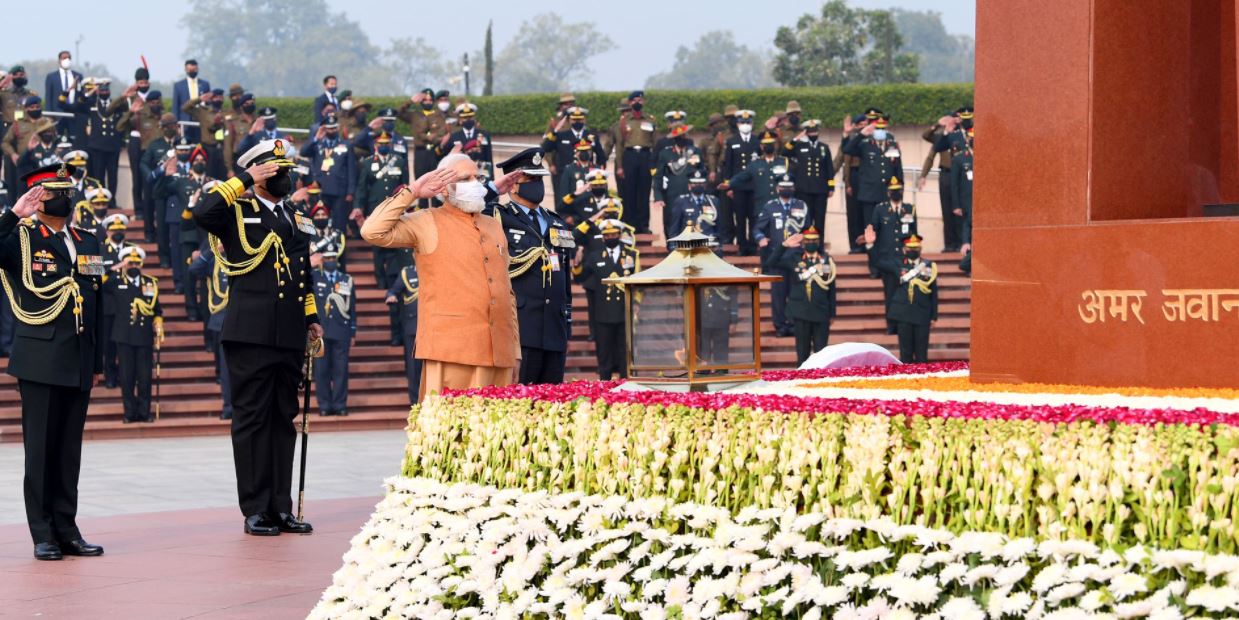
(527, 114)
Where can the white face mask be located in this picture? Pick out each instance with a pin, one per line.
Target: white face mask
(879, 134)
(346, 105)
(745, 127)
(444, 105)
(468, 196)
(65, 63)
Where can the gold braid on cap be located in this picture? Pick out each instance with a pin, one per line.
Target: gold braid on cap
(58, 292)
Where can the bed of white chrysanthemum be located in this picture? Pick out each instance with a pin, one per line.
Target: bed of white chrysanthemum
(438, 550)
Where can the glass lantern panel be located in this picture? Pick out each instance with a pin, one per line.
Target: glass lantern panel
(658, 326)
(725, 327)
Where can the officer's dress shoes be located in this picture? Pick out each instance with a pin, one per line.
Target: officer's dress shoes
(288, 523)
(80, 547)
(260, 525)
(47, 551)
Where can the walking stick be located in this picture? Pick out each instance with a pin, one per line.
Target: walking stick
(158, 370)
(312, 349)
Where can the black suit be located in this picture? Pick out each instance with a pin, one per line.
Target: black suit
(319, 102)
(54, 364)
(264, 339)
(54, 89)
(543, 293)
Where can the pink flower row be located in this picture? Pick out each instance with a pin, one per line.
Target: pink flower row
(1062, 414)
(863, 371)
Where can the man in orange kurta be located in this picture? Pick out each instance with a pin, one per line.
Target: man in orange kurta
(466, 325)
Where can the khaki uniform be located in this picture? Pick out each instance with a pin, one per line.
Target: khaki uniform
(236, 127)
(634, 143)
(10, 100)
(210, 122)
(146, 124)
(427, 126)
(17, 138)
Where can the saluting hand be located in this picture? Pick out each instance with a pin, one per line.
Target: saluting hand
(301, 194)
(262, 172)
(29, 202)
(431, 184)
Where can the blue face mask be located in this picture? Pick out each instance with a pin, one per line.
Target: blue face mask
(879, 134)
(384, 150)
(332, 90)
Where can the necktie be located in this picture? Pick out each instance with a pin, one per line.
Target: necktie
(537, 221)
(193, 88)
(62, 244)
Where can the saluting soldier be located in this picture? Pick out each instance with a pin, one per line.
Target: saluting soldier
(634, 161)
(610, 308)
(587, 235)
(29, 143)
(893, 221)
(334, 169)
(813, 170)
(961, 188)
(563, 148)
(272, 312)
(541, 246)
(879, 161)
(849, 172)
(208, 112)
(364, 138)
(137, 328)
(56, 352)
(696, 210)
(473, 140)
(157, 154)
(179, 189)
(380, 175)
(678, 161)
(812, 295)
(335, 294)
(205, 267)
(913, 304)
(578, 180)
(427, 127)
(403, 295)
(237, 127)
(113, 243)
(145, 123)
(711, 148)
(736, 221)
(171, 196)
(779, 219)
(103, 140)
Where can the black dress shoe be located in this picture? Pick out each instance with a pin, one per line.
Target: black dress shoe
(111, 385)
(80, 547)
(193, 317)
(227, 415)
(260, 525)
(290, 524)
(47, 551)
(342, 413)
(396, 342)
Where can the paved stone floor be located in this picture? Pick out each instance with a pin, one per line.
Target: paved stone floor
(165, 511)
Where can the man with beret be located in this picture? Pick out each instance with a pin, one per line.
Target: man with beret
(635, 161)
(140, 124)
(56, 352)
(443, 102)
(467, 330)
(24, 134)
(208, 111)
(428, 126)
(13, 92)
(137, 329)
(541, 246)
(272, 320)
(185, 90)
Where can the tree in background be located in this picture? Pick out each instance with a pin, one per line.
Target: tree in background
(715, 61)
(415, 65)
(488, 51)
(547, 55)
(944, 57)
(285, 47)
(842, 45)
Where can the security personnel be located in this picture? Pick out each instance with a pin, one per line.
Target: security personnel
(696, 209)
(635, 161)
(115, 225)
(403, 294)
(208, 112)
(334, 292)
(610, 308)
(578, 179)
(473, 140)
(381, 174)
(812, 167)
(913, 305)
(103, 139)
(29, 123)
(677, 162)
(271, 313)
(205, 267)
(443, 102)
(326, 237)
(893, 221)
(879, 161)
(56, 352)
(334, 169)
(182, 185)
(427, 127)
(811, 297)
(736, 219)
(779, 219)
(563, 148)
(137, 328)
(541, 247)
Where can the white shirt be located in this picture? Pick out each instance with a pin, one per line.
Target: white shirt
(331, 98)
(68, 239)
(615, 254)
(274, 208)
(66, 83)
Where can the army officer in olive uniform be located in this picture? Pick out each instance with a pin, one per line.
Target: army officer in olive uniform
(56, 352)
(271, 312)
